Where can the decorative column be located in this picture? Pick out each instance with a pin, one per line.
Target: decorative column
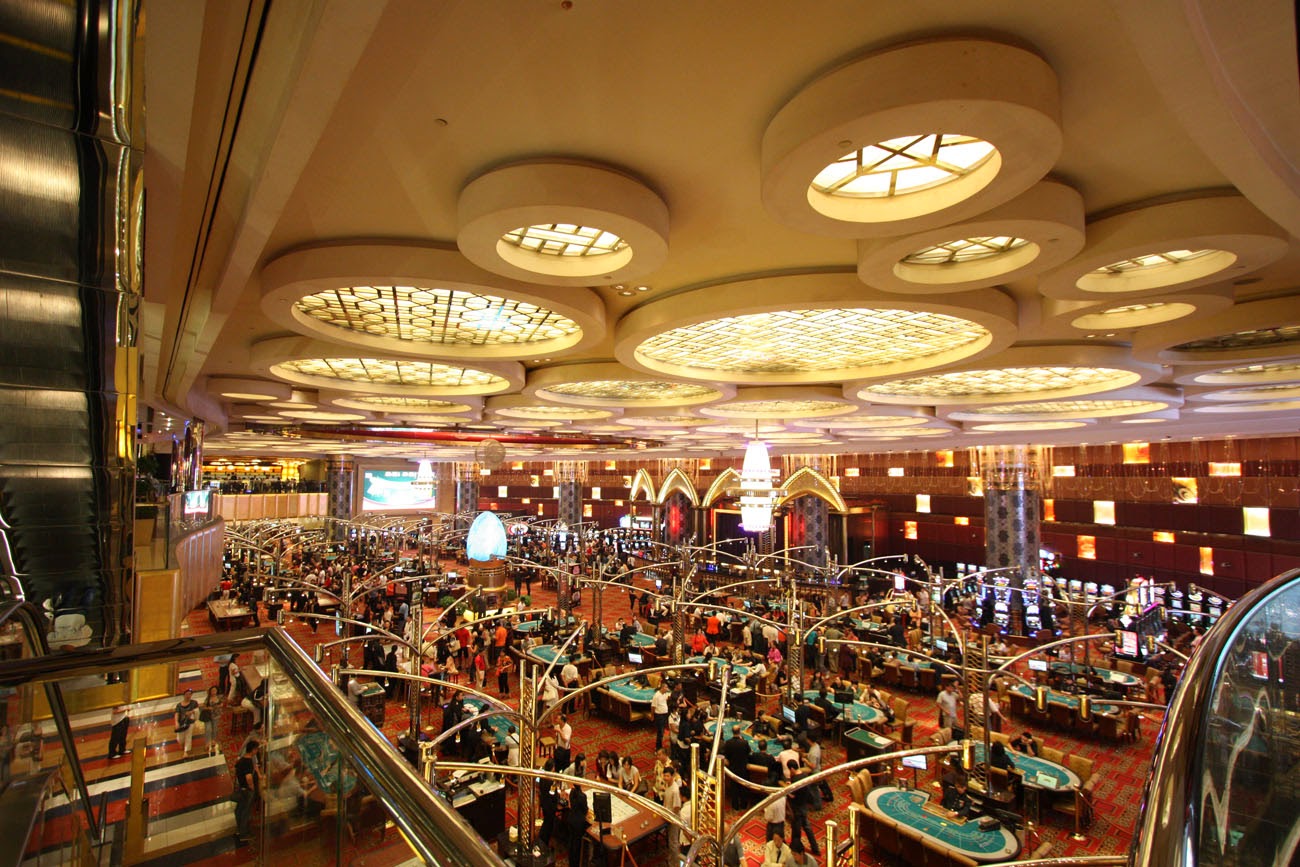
(570, 502)
(467, 486)
(810, 526)
(677, 518)
(526, 810)
(340, 479)
(1011, 514)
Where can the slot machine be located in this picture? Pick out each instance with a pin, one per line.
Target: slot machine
(1033, 619)
(1215, 606)
(1076, 590)
(1196, 604)
(1133, 598)
(1002, 600)
(1177, 603)
(1090, 592)
(1158, 594)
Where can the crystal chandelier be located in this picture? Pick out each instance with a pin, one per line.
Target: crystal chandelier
(424, 479)
(757, 496)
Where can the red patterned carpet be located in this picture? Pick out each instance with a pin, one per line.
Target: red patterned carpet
(1121, 770)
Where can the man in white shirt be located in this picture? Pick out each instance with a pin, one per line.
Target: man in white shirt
(770, 634)
(947, 702)
(673, 802)
(563, 740)
(512, 747)
(355, 689)
(550, 691)
(685, 814)
(774, 815)
(659, 709)
(569, 675)
(788, 754)
(775, 852)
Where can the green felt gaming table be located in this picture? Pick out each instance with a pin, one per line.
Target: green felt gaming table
(907, 807)
(856, 713)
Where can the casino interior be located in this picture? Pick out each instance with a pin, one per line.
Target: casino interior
(725, 433)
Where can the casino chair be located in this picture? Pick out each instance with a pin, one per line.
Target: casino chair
(1077, 802)
(935, 855)
(1019, 705)
(1051, 754)
(929, 679)
(887, 835)
(867, 825)
(908, 678)
(910, 847)
(1081, 766)
(892, 674)
(1062, 716)
(1109, 726)
(855, 791)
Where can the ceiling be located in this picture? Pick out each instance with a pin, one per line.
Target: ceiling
(600, 226)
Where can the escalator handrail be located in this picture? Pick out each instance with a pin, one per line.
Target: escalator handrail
(430, 824)
(1169, 814)
(33, 622)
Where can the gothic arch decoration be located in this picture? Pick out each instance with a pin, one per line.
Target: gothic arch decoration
(643, 484)
(725, 479)
(807, 481)
(678, 481)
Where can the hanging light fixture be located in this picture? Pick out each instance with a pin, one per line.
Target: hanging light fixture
(757, 496)
(424, 479)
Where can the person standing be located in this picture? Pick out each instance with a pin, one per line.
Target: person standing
(186, 715)
(577, 822)
(547, 801)
(563, 741)
(120, 722)
(505, 665)
(248, 779)
(736, 751)
(210, 716)
(659, 709)
(802, 801)
(947, 702)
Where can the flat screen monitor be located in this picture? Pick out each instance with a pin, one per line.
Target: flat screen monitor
(383, 490)
(1038, 665)
(941, 644)
(196, 502)
(787, 713)
(634, 658)
(844, 696)
(920, 763)
(1128, 642)
(900, 583)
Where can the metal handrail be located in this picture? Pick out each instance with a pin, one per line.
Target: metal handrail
(430, 824)
(33, 621)
(1169, 814)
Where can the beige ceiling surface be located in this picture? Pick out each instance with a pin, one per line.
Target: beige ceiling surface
(317, 146)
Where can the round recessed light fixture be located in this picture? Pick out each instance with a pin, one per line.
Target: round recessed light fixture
(873, 149)
(1034, 232)
(1174, 244)
(248, 389)
(608, 384)
(1263, 331)
(1015, 426)
(749, 331)
(782, 403)
(1245, 374)
(424, 301)
(565, 223)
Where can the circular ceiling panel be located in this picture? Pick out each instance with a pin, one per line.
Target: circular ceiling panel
(1255, 330)
(1013, 426)
(515, 406)
(1033, 233)
(608, 384)
(401, 406)
(564, 223)
(782, 403)
(750, 331)
(424, 301)
(873, 148)
(321, 364)
(1246, 374)
(248, 389)
(1151, 400)
(1175, 244)
(1037, 373)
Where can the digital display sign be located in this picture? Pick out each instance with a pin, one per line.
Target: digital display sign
(387, 490)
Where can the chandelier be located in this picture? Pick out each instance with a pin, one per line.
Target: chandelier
(425, 480)
(757, 496)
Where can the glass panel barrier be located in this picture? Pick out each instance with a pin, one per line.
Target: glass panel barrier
(1224, 789)
(190, 755)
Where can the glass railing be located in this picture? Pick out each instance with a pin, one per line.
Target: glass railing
(1225, 782)
(279, 764)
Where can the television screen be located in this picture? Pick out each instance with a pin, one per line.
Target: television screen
(1038, 665)
(787, 713)
(919, 763)
(1128, 642)
(196, 502)
(940, 644)
(900, 583)
(386, 490)
(634, 658)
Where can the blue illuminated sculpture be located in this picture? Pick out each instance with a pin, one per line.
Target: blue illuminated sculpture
(486, 539)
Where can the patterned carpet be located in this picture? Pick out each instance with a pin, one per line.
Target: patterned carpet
(1121, 770)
